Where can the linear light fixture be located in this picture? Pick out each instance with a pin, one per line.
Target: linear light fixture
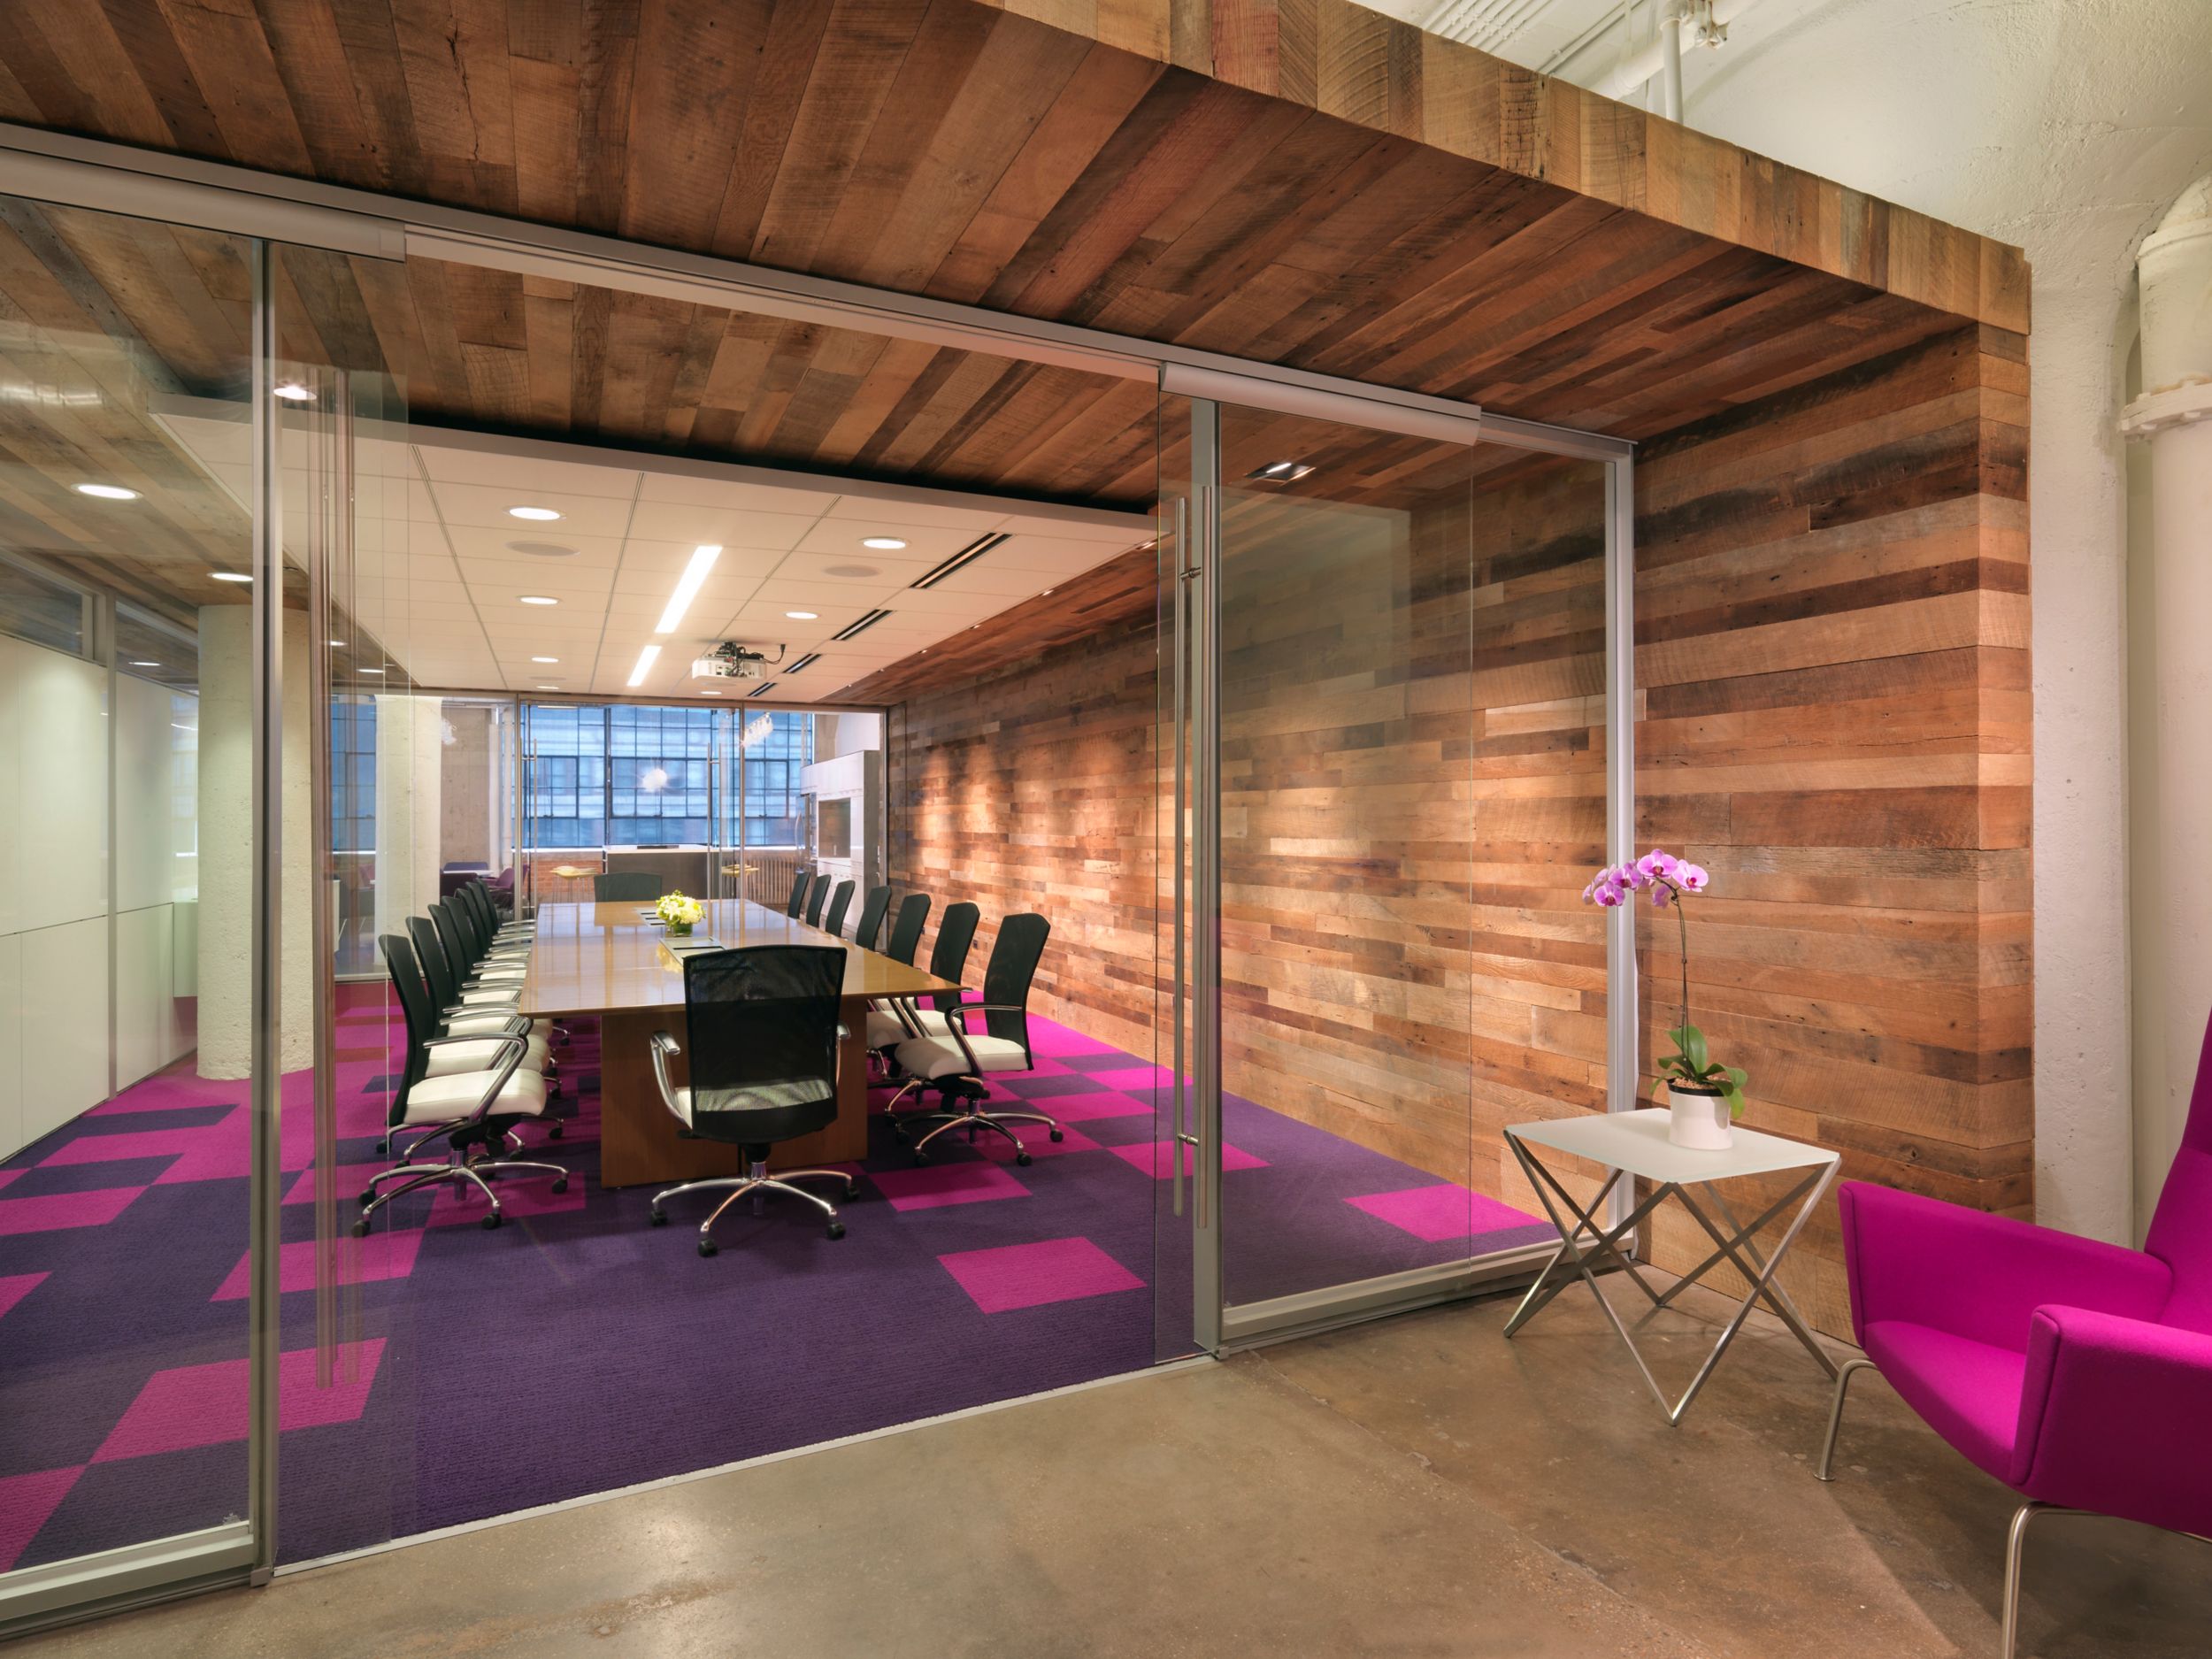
(688, 585)
(812, 657)
(764, 686)
(852, 628)
(230, 576)
(646, 659)
(959, 561)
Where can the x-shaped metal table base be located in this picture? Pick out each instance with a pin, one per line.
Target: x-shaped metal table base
(1736, 1247)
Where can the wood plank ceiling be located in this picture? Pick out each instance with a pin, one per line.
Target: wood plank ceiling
(942, 147)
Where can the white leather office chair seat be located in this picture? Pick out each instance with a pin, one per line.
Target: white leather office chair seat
(491, 1022)
(940, 1056)
(800, 1094)
(495, 970)
(495, 996)
(887, 1030)
(483, 1055)
(440, 1099)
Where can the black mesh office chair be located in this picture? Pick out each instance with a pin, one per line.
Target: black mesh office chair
(871, 913)
(815, 899)
(958, 1062)
(474, 1111)
(613, 885)
(798, 895)
(902, 1019)
(489, 1013)
(841, 900)
(906, 927)
(885, 1027)
(761, 1028)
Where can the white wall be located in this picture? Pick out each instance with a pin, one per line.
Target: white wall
(53, 889)
(410, 769)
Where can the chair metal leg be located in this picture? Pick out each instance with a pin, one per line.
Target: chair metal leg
(1850, 1368)
(2015, 1548)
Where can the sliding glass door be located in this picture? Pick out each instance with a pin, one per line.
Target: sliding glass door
(1384, 741)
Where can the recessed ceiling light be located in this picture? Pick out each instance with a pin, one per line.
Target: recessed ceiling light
(145, 664)
(369, 670)
(545, 659)
(292, 392)
(804, 616)
(1281, 471)
(536, 515)
(548, 687)
(687, 585)
(230, 576)
(538, 599)
(107, 492)
(646, 659)
(882, 543)
(1048, 593)
(542, 549)
(337, 645)
(710, 694)
(852, 572)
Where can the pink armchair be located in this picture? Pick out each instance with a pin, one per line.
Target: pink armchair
(2078, 1373)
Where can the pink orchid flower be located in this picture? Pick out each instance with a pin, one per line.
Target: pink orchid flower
(1661, 895)
(1660, 863)
(1690, 878)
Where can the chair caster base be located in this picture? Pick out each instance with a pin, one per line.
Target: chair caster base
(836, 1229)
(491, 1222)
(1059, 1134)
(560, 1183)
(657, 1218)
(921, 1156)
(553, 1132)
(361, 1228)
(1022, 1158)
(707, 1247)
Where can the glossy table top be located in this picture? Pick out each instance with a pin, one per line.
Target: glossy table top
(605, 958)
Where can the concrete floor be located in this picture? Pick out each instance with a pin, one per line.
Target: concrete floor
(1415, 1486)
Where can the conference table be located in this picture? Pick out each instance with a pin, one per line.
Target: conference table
(609, 962)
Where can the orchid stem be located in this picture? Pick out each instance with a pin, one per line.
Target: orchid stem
(1683, 923)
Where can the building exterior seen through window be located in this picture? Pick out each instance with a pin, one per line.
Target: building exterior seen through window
(621, 775)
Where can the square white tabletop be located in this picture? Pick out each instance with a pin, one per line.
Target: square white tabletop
(1637, 1142)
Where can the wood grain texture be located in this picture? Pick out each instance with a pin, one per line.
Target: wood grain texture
(1312, 185)
(1833, 717)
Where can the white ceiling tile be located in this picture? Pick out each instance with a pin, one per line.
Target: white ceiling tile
(671, 521)
(527, 474)
(839, 571)
(486, 506)
(729, 495)
(877, 509)
(841, 538)
(984, 579)
(1058, 555)
(479, 541)
(1140, 527)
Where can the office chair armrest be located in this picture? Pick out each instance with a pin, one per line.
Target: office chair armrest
(482, 1036)
(664, 1045)
(515, 1049)
(956, 1022)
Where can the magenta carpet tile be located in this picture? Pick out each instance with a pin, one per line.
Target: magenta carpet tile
(576, 1349)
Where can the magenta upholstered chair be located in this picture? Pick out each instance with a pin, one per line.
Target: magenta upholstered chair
(2078, 1373)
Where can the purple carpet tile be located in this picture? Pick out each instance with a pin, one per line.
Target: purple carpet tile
(576, 1349)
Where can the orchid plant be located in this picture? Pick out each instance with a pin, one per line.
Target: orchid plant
(1671, 881)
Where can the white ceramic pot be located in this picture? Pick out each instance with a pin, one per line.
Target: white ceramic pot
(1699, 1121)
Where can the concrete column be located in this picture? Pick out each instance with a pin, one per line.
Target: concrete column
(227, 845)
(410, 762)
(2171, 907)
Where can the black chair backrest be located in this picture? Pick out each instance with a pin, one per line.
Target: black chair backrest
(414, 1006)
(841, 900)
(612, 885)
(1015, 954)
(906, 927)
(948, 957)
(761, 1033)
(458, 952)
(798, 894)
(476, 926)
(430, 956)
(871, 913)
(814, 900)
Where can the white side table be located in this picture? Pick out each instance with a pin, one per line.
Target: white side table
(1635, 1144)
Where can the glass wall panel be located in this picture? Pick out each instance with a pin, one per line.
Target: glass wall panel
(128, 861)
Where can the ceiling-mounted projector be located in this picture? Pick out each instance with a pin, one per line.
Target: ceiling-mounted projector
(731, 661)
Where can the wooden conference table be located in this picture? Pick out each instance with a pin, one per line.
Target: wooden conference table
(606, 961)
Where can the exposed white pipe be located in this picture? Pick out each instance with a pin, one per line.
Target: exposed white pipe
(1652, 61)
(1671, 64)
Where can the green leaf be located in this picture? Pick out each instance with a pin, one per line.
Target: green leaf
(1737, 1076)
(1734, 1098)
(1691, 1041)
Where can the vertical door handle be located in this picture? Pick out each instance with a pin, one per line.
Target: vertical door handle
(1178, 582)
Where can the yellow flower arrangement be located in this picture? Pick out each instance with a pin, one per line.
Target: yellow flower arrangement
(681, 914)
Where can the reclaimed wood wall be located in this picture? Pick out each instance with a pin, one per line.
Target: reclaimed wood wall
(1831, 628)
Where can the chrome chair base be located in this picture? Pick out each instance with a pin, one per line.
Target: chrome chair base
(420, 1175)
(757, 1184)
(971, 1116)
(1850, 1368)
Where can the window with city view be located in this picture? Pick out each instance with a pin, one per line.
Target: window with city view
(620, 775)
